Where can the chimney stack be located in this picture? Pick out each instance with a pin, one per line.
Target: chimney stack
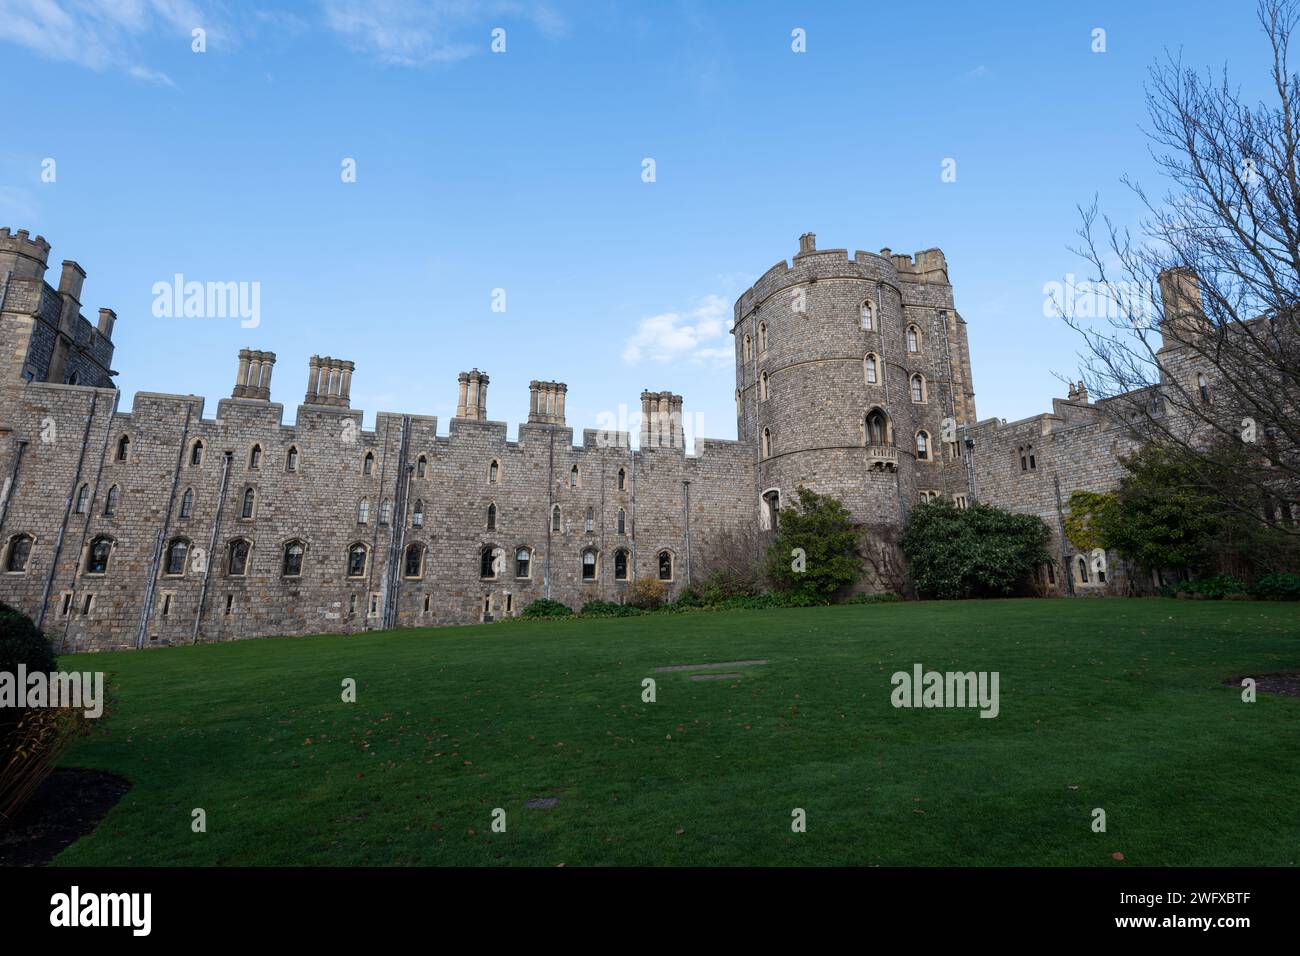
(807, 243)
(1184, 313)
(546, 402)
(254, 377)
(661, 420)
(106, 319)
(329, 381)
(71, 279)
(471, 401)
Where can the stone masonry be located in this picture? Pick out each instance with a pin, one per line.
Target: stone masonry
(159, 526)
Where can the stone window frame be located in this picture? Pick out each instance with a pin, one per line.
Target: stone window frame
(112, 500)
(494, 478)
(8, 556)
(871, 366)
(762, 338)
(363, 511)
(911, 390)
(627, 564)
(179, 539)
(82, 505)
(493, 514)
(1203, 388)
(422, 466)
(621, 480)
(594, 552)
(247, 506)
(926, 453)
(368, 465)
(166, 604)
(912, 336)
(740, 407)
(765, 449)
(672, 565)
(486, 551)
(769, 509)
(529, 551)
(385, 512)
(928, 495)
(557, 524)
(589, 521)
(406, 560)
(762, 385)
(291, 457)
(960, 501)
(417, 513)
(184, 511)
(229, 554)
(284, 555)
(1028, 460)
(255, 455)
(122, 448)
(90, 552)
(195, 456)
(347, 561)
(867, 316)
(621, 521)
(887, 427)
(747, 348)
(575, 477)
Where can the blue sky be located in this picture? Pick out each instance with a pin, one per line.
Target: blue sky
(522, 171)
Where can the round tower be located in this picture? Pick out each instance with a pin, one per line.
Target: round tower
(845, 372)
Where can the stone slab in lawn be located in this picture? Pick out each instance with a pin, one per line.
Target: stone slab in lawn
(705, 667)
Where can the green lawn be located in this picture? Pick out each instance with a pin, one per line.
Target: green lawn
(1118, 704)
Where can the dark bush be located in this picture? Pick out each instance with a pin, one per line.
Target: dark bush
(21, 642)
(608, 609)
(547, 608)
(1282, 586)
(1215, 587)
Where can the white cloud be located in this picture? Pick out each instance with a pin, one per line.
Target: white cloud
(100, 34)
(415, 32)
(150, 76)
(698, 335)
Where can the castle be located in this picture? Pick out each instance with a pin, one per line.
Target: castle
(160, 526)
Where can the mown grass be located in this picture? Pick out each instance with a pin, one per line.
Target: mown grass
(1117, 704)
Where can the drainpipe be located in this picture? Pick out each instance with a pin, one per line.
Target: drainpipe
(146, 612)
(212, 545)
(686, 490)
(550, 504)
(11, 484)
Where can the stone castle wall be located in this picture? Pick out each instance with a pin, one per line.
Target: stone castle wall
(413, 553)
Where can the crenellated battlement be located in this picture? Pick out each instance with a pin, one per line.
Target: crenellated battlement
(811, 264)
(25, 257)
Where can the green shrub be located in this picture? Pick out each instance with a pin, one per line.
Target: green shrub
(544, 607)
(1215, 587)
(887, 597)
(608, 609)
(979, 551)
(815, 553)
(1281, 586)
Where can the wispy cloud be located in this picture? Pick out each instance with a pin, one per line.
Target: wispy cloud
(698, 335)
(418, 32)
(101, 34)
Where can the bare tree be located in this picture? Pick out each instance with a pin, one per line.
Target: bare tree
(1220, 254)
